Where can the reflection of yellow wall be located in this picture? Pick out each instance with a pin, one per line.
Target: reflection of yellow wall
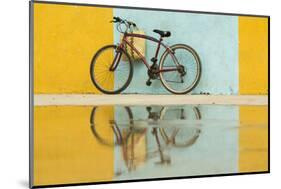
(65, 40)
(65, 150)
(253, 55)
(253, 142)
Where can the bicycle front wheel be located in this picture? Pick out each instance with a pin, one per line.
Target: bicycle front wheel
(105, 124)
(186, 69)
(109, 73)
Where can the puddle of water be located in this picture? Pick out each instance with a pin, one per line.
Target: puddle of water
(76, 144)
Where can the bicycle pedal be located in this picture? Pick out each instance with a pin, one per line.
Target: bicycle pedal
(153, 59)
(148, 83)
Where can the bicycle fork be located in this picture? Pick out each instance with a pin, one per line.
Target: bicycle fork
(116, 60)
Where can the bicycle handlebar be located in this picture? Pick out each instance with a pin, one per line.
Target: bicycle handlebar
(116, 19)
(123, 21)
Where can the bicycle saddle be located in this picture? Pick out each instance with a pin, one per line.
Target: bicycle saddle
(163, 33)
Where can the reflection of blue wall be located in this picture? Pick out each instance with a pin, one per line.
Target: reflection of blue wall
(216, 151)
(214, 37)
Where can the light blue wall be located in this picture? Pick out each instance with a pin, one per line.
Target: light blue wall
(214, 37)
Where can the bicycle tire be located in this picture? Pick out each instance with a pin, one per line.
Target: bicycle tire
(190, 141)
(118, 133)
(92, 69)
(198, 74)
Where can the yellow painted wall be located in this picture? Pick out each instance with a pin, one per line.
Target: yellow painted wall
(253, 79)
(65, 40)
(65, 150)
(253, 139)
(253, 55)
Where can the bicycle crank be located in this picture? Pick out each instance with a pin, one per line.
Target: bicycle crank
(181, 70)
(153, 73)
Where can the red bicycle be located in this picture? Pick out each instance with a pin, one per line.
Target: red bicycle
(179, 68)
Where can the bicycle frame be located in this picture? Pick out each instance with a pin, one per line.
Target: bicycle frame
(125, 41)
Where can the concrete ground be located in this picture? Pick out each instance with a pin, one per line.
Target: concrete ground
(87, 99)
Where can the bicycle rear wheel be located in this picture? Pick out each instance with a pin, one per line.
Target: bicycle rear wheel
(181, 136)
(109, 73)
(187, 75)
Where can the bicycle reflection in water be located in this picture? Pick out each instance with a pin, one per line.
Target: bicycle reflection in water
(130, 134)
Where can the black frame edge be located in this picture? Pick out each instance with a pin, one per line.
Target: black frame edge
(149, 180)
(31, 101)
(268, 74)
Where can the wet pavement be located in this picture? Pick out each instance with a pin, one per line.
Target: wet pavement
(79, 144)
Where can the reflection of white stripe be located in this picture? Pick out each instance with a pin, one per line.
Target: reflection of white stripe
(230, 124)
(87, 99)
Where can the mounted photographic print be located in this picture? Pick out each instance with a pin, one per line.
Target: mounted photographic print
(121, 94)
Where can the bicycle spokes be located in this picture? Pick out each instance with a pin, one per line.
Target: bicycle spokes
(109, 72)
